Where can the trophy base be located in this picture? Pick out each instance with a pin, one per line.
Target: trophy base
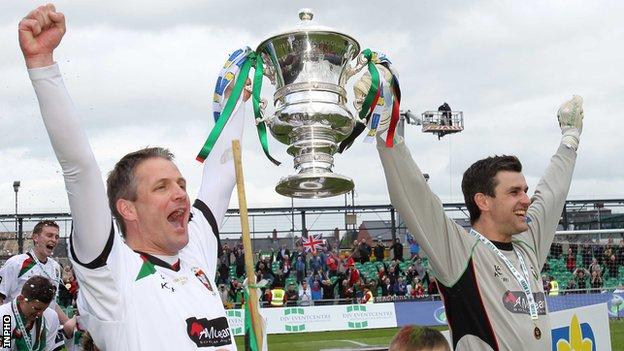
(314, 185)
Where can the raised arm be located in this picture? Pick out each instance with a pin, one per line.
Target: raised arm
(218, 180)
(40, 32)
(552, 189)
(445, 242)
(218, 176)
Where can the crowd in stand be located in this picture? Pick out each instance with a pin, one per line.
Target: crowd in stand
(589, 265)
(306, 277)
(327, 275)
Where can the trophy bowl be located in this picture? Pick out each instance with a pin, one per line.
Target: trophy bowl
(309, 67)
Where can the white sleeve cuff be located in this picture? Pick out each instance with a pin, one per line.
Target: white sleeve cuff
(44, 72)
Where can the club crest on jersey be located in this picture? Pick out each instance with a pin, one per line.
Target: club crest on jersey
(209, 333)
(203, 278)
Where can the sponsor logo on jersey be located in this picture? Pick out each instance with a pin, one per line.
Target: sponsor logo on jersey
(498, 273)
(208, 333)
(166, 285)
(516, 302)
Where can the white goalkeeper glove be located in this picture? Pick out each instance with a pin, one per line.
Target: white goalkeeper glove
(570, 116)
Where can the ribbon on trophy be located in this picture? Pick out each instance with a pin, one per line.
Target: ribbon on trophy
(374, 103)
(239, 63)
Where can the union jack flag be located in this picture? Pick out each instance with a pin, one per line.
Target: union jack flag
(312, 242)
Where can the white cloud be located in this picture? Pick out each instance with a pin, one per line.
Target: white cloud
(141, 73)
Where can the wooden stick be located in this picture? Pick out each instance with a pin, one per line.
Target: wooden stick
(249, 267)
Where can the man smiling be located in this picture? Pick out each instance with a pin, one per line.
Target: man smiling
(488, 277)
(152, 287)
(38, 261)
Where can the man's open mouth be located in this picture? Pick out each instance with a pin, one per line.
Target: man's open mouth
(176, 218)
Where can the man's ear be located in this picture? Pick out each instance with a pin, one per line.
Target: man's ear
(482, 202)
(126, 209)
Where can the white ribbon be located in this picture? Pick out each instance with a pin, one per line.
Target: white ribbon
(55, 280)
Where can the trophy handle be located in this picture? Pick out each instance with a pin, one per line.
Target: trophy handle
(350, 70)
(263, 118)
(268, 69)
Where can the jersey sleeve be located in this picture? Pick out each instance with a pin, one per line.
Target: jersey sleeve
(83, 180)
(445, 242)
(218, 180)
(8, 277)
(547, 202)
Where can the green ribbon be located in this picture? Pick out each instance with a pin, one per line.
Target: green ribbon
(226, 113)
(40, 345)
(365, 111)
(260, 126)
(24, 343)
(231, 103)
(250, 336)
(372, 92)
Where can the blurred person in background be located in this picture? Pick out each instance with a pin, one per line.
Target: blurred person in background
(414, 338)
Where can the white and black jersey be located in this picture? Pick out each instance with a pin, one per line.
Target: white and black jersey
(131, 300)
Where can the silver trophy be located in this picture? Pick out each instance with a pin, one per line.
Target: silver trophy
(309, 67)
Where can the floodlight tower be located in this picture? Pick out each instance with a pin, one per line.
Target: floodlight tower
(16, 185)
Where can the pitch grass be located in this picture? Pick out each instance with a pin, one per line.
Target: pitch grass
(372, 337)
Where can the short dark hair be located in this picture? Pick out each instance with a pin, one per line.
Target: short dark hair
(42, 224)
(121, 181)
(414, 338)
(480, 178)
(39, 288)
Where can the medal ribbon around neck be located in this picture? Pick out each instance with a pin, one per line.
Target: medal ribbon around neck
(41, 266)
(26, 343)
(522, 280)
(240, 62)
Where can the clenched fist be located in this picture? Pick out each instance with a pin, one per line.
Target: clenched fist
(40, 32)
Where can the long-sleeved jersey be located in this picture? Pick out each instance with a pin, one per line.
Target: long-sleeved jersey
(132, 300)
(485, 306)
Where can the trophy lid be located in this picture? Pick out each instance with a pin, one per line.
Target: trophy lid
(307, 24)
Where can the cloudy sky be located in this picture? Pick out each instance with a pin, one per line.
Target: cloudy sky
(142, 73)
